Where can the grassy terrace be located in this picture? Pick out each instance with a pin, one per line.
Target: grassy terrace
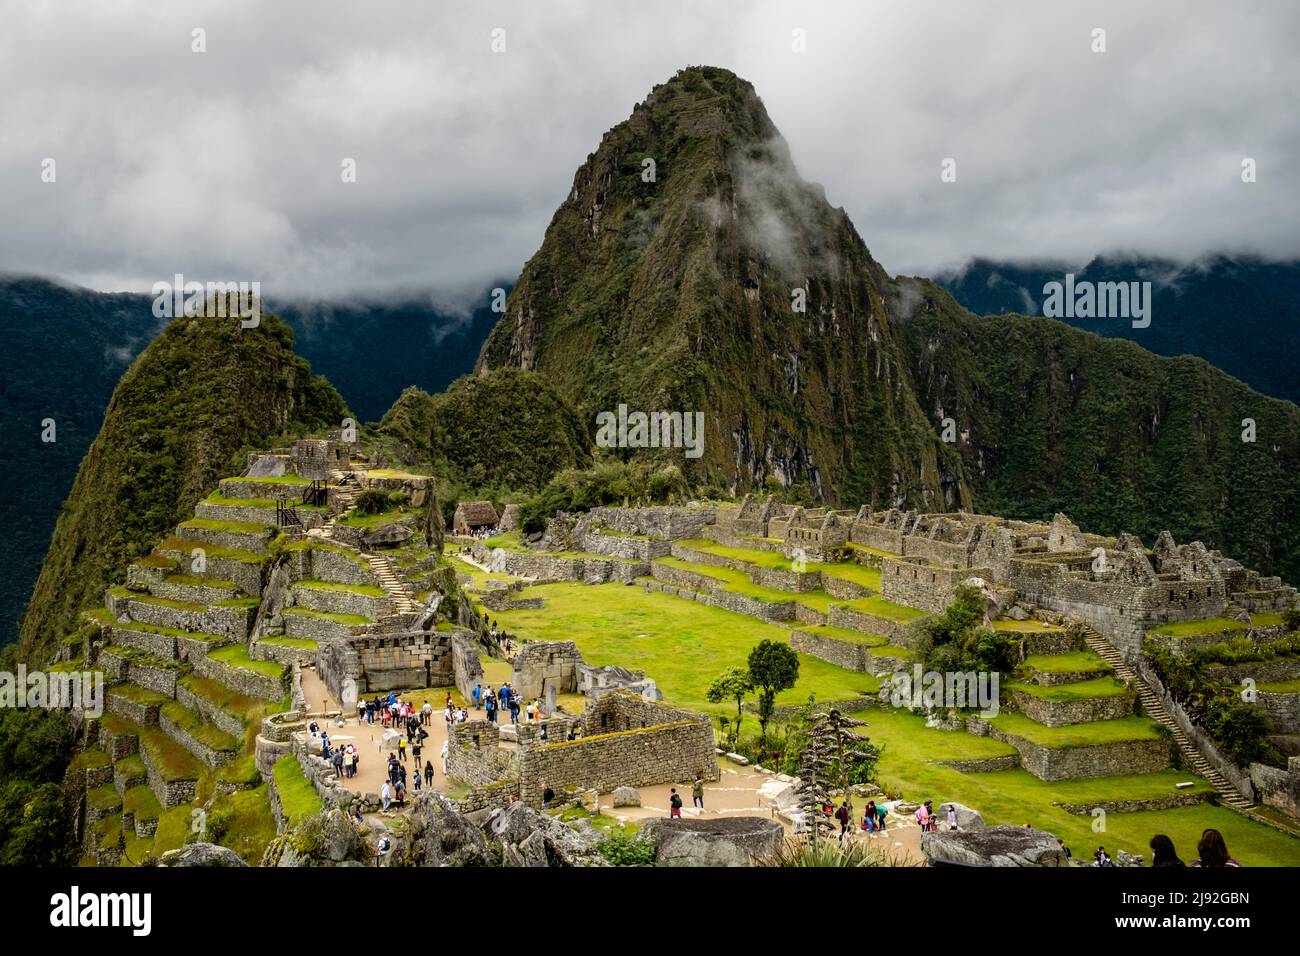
(240, 706)
(682, 644)
(298, 799)
(212, 550)
(1281, 687)
(737, 582)
(130, 767)
(140, 801)
(370, 590)
(1083, 690)
(1077, 735)
(103, 798)
(877, 606)
(137, 656)
(205, 733)
(912, 766)
(345, 619)
(170, 631)
(237, 527)
(274, 480)
(297, 643)
(393, 473)
(158, 561)
(844, 634)
(138, 695)
(196, 581)
(1203, 627)
(370, 522)
(236, 655)
(91, 759)
(173, 761)
(122, 592)
(1026, 627)
(1074, 662)
(316, 544)
(217, 498)
(856, 573)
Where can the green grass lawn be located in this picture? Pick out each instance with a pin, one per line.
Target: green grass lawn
(1077, 735)
(877, 606)
(337, 618)
(297, 797)
(1281, 687)
(371, 522)
(737, 582)
(1083, 690)
(844, 634)
(236, 655)
(1026, 627)
(910, 767)
(1209, 625)
(216, 524)
(369, 590)
(1085, 662)
(682, 644)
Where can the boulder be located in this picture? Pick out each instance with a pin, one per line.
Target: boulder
(560, 845)
(738, 759)
(1018, 613)
(440, 835)
(774, 793)
(201, 854)
(627, 797)
(967, 819)
(714, 841)
(993, 846)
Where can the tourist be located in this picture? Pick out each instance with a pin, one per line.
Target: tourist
(416, 780)
(674, 804)
(428, 773)
(488, 695)
(426, 713)
(697, 791)
(357, 818)
(491, 708)
(356, 758)
(504, 695)
(881, 811)
(401, 749)
(547, 796)
(399, 791)
(843, 815)
(537, 711)
(1212, 851)
(952, 816)
(338, 762)
(869, 817)
(1163, 852)
(386, 795)
(464, 716)
(477, 695)
(361, 712)
(1100, 857)
(921, 817)
(514, 708)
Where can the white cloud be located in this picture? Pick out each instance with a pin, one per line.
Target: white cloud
(226, 164)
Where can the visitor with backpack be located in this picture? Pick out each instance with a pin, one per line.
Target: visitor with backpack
(697, 791)
(428, 773)
(674, 805)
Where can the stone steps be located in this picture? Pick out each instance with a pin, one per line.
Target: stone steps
(1154, 707)
(392, 584)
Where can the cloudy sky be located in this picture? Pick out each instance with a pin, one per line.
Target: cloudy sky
(226, 164)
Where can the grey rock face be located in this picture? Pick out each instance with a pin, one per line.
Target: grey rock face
(993, 846)
(724, 841)
(201, 854)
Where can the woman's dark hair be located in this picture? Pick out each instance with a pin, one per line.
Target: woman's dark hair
(1163, 852)
(1212, 850)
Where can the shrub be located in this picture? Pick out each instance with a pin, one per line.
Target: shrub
(623, 850)
(372, 501)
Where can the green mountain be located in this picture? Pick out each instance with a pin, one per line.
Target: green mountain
(676, 294)
(502, 430)
(192, 404)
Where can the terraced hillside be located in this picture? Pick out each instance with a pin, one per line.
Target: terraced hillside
(202, 641)
(1077, 734)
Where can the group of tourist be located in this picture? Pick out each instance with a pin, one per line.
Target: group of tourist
(1212, 853)
(391, 711)
(492, 703)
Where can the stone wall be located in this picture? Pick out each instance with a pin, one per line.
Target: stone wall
(673, 750)
(242, 679)
(1278, 788)
(1064, 712)
(621, 546)
(846, 654)
(474, 756)
(319, 563)
(541, 665)
(926, 586)
(330, 601)
(894, 631)
(1069, 763)
(1283, 711)
(664, 522)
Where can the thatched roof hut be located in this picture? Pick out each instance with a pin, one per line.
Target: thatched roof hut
(472, 515)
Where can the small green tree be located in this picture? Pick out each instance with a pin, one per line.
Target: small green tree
(733, 685)
(773, 667)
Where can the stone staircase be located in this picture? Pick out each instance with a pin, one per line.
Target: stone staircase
(391, 582)
(346, 489)
(1154, 707)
